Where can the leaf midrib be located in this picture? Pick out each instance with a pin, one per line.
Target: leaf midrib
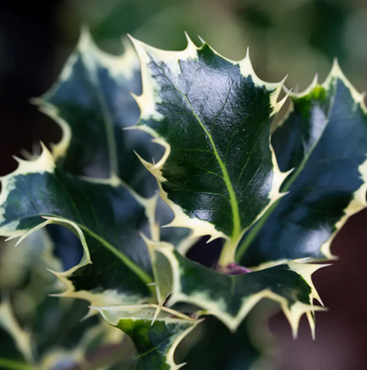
(236, 232)
(146, 278)
(227, 180)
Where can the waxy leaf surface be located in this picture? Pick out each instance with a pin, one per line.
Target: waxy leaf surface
(93, 105)
(212, 116)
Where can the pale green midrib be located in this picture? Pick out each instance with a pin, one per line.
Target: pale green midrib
(15, 365)
(146, 278)
(258, 226)
(227, 180)
(155, 349)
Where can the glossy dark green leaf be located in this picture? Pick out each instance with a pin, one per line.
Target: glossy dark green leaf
(108, 220)
(156, 341)
(213, 117)
(93, 105)
(324, 138)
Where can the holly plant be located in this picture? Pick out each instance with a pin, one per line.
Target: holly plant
(163, 152)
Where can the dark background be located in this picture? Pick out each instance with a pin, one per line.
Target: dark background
(295, 37)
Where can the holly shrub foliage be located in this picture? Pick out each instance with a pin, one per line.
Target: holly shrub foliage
(184, 140)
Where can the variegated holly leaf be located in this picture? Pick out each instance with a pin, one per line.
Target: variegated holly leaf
(108, 220)
(92, 103)
(212, 116)
(324, 138)
(231, 297)
(155, 341)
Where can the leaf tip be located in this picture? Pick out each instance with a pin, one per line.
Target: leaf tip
(336, 73)
(190, 43)
(202, 40)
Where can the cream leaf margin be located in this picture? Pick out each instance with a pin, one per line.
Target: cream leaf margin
(359, 201)
(112, 316)
(45, 163)
(292, 313)
(117, 65)
(148, 101)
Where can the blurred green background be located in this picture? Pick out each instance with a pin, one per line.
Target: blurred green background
(294, 37)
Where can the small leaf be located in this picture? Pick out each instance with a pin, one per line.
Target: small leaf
(230, 298)
(213, 118)
(162, 270)
(155, 343)
(92, 103)
(324, 138)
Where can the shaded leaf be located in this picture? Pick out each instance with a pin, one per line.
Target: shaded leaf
(324, 138)
(92, 103)
(108, 220)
